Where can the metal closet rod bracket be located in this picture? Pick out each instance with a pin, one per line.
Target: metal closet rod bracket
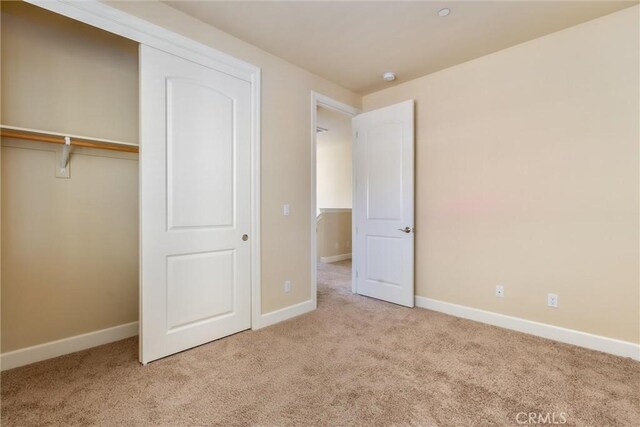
(64, 159)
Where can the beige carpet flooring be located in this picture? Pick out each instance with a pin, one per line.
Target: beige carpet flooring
(354, 361)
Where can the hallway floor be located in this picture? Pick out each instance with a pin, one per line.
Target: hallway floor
(354, 361)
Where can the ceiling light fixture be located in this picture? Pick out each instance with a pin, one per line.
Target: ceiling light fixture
(389, 76)
(444, 12)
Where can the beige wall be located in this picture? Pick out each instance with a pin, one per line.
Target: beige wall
(333, 160)
(527, 176)
(63, 76)
(334, 234)
(286, 176)
(84, 230)
(526, 161)
(69, 246)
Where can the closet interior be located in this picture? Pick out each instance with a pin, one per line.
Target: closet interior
(70, 211)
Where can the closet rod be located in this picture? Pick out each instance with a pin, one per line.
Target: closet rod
(55, 138)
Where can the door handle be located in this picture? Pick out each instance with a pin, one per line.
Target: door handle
(406, 230)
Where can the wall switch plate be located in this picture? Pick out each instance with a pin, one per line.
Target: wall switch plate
(552, 300)
(500, 291)
(286, 209)
(287, 286)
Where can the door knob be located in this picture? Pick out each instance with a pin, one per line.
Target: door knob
(406, 230)
(244, 237)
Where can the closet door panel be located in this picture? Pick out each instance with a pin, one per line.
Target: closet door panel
(195, 164)
(200, 157)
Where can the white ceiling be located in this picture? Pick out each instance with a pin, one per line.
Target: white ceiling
(353, 42)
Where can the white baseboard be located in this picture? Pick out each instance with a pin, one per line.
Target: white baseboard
(335, 258)
(39, 352)
(284, 314)
(557, 333)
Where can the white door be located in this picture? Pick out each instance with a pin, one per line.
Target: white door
(195, 204)
(383, 159)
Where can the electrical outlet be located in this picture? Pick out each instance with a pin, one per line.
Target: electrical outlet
(336, 245)
(552, 300)
(348, 243)
(500, 291)
(287, 286)
(286, 209)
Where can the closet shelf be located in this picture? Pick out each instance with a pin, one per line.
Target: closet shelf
(59, 138)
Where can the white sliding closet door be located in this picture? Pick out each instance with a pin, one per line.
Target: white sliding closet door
(195, 164)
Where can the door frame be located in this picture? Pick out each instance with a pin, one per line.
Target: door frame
(110, 19)
(319, 100)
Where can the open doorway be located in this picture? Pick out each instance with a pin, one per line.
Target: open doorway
(380, 150)
(332, 195)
